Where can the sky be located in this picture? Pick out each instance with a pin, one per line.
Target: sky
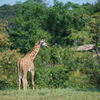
(12, 2)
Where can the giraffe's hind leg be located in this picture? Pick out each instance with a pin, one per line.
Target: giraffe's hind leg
(19, 74)
(19, 82)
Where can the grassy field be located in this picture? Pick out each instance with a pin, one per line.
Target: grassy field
(50, 94)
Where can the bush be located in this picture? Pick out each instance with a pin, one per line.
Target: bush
(58, 67)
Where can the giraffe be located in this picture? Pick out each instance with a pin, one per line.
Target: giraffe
(26, 64)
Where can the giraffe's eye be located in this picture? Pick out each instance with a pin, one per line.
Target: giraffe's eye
(42, 42)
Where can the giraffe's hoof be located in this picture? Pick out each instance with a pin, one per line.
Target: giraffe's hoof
(33, 89)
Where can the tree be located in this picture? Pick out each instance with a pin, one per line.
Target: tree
(95, 27)
(60, 20)
(3, 25)
(8, 58)
(89, 7)
(38, 1)
(26, 30)
(97, 6)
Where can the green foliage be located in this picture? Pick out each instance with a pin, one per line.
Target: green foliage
(7, 11)
(8, 60)
(28, 32)
(60, 19)
(3, 25)
(97, 6)
(58, 75)
(89, 7)
(4, 42)
(65, 68)
(54, 22)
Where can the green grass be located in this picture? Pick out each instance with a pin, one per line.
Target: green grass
(50, 94)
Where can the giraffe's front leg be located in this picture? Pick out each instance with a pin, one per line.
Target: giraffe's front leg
(32, 79)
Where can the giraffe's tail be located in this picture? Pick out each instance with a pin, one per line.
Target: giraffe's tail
(19, 71)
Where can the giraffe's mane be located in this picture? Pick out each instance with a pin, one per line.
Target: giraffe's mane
(33, 48)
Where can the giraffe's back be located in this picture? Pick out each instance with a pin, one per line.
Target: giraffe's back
(26, 64)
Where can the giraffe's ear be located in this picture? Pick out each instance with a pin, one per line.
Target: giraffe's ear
(40, 41)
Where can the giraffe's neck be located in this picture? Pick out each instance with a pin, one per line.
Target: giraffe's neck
(32, 54)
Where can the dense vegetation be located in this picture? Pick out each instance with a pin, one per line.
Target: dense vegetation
(64, 26)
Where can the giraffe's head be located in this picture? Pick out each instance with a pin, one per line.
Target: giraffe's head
(43, 43)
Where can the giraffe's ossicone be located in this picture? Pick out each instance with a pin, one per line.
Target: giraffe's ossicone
(26, 64)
